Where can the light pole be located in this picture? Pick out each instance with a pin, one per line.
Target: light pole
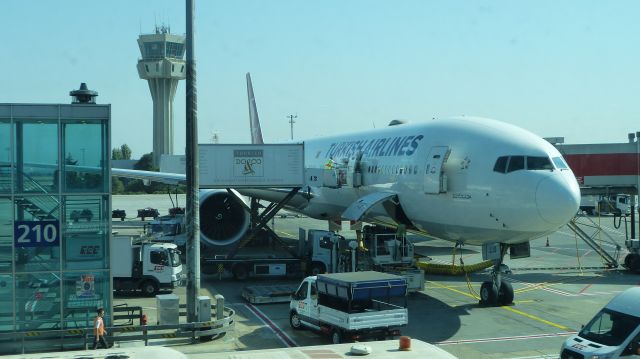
(291, 121)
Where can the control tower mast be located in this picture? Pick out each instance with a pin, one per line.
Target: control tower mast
(162, 65)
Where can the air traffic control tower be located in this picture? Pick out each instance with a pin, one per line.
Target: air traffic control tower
(162, 65)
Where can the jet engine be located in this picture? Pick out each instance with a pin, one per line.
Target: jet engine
(224, 219)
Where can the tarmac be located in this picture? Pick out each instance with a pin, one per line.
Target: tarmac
(558, 289)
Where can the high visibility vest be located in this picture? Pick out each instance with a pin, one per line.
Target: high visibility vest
(98, 326)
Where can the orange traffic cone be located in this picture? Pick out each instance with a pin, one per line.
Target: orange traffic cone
(547, 241)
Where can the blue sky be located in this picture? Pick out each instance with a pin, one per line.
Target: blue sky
(556, 68)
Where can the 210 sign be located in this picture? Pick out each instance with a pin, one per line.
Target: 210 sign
(36, 233)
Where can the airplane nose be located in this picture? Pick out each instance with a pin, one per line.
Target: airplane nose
(557, 199)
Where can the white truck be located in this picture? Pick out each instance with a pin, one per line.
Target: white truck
(614, 332)
(351, 306)
(617, 204)
(138, 264)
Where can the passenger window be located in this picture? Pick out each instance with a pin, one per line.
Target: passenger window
(539, 163)
(314, 292)
(501, 164)
(515, 163)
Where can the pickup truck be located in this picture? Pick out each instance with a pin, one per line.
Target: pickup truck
(351, 306)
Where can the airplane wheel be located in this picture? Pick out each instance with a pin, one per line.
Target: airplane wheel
(294, 321)
(488, 294)
(336, 336)
(317, 268)
(505, 295)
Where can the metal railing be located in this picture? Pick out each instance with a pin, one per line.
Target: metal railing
(80, 338)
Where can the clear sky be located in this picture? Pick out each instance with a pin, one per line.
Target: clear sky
(556, 68)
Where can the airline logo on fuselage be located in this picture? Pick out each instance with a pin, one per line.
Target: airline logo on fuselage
(377, 147)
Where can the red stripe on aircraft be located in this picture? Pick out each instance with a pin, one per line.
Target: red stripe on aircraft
(613, 164)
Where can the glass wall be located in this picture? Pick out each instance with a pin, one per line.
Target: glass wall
(84, 157)
(36, 149)
(5, 156)
(54, 217)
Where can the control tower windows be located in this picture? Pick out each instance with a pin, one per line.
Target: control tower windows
(175, 50)
(153, 50)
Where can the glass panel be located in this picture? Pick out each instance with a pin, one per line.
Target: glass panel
(501, 164)
(6, 303)
(153, 50)
(36, 157)
(539, 163)
(39, 235)
(516, 163)
(5, 156)
(37, 301)
(85, 232)
(559, 162)
(6, 236)
(84, 292)
(84, 157)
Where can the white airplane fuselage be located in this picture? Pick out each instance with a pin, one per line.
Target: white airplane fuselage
(447, 180)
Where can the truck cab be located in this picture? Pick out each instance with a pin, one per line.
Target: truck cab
(144, 265)
(613, 332)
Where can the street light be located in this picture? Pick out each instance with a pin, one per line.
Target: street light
(291, 121)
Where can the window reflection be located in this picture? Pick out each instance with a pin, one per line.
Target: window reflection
(84, 157)
(38, 143)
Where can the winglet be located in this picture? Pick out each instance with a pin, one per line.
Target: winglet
(254, 121)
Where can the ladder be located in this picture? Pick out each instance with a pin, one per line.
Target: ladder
(577, 224)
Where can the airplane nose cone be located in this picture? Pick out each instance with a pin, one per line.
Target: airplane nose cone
(557, 199)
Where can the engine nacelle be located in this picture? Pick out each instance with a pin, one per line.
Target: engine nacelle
(224, 220)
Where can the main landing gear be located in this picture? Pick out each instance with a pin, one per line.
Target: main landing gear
(498, 291)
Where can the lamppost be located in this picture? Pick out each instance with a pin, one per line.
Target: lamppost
(291, 121)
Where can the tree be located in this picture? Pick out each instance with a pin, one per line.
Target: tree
(116, 154)
(125, 151)
(145, 163)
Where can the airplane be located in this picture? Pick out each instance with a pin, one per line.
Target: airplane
(467, 180)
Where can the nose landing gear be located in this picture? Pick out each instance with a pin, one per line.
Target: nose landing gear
(498, 291)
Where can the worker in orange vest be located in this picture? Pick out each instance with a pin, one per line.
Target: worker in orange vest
(98, 329)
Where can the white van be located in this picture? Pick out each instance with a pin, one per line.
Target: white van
(614, 332)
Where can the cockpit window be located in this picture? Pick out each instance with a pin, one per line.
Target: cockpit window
(501, 164)
(515, 163)
(559, 162)
(539, 163)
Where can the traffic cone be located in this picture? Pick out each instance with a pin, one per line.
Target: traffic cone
(547, 241)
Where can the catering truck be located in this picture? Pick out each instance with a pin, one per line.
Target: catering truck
(614, 332)
(139, 264)
(351, 306)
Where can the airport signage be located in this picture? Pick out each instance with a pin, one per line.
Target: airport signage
(36, 233)
(255, 166)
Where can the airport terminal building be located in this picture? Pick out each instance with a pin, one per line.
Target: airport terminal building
(55, 215)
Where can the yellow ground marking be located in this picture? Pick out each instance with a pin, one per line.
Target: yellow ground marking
(530, 316)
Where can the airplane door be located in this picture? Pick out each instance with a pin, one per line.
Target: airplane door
(435, 181)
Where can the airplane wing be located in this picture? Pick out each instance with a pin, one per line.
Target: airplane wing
(162, 177)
